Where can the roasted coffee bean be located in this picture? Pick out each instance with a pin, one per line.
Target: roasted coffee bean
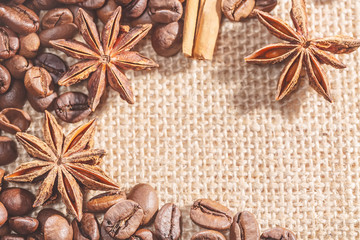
(23, 225)
(65, 31)
(278, 233)
(70, 1)
(9, 43)
(106, 11)
(15, 97)
(12, 237)
(42, 104)
(54, 225)
(92, 4)
(30, 4)
(143, 234)
(165, 11)
(45, 4)
(236, 10)
(102, 202)
(17, 201)
(13, 120)
(14, 2)
(8, 150)
(17, 66)
(29, 45)
(2, 174)
(121, 220)
(87, 228)
(122, 2)
(35, 236)
(244, 227)
(5, 229)
(72, 107)
(168, 222)
(75, 9)
(3, 214)
(56, 17)
(19, 18)
(146, 196)
(5, 79)
(143, 19)
(167, 39)
(38, 82)
(208, 235)
(263, 5)
(45, 213)
(210, 214)
(135, 8)
(52, 63)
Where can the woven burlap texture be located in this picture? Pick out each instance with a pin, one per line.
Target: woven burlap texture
(203, 129)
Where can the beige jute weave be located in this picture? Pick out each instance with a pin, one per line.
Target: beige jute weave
(213, 130)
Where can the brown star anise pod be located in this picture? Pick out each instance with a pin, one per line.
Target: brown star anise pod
(104, 58)
(301, 50)
(65, 164)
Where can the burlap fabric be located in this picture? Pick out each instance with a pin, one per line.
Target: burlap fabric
(213, 130)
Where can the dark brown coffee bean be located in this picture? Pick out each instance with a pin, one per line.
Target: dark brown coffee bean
(5, 79)
(87, 228)
(122, 2)
(5, 229)
(135, 8)
(106, 11)
(278, 233)
(65, 31)
(92, 4)
(13, 120)
(17, 201)
(244, 227)
(19, 18)
(15, 97)
(8, 150)
(35, 236)
(75, 9)
(30, 4)
(14, 2)
(70, 1)
(2, 174)
(12, 237)
(23, 225)
(3, 214)
(29, 45)
(263, 5)
(167, 39)
(210, 214)
(9, 43)
(143, 234)
(72, 107)
(102, 202)
(42, 104)
(38, 82)
(45, 4)
(17, 66)
(168, 222)
(52, 63)
(165, 11)
(146, 196)
(121, 220)
(56, 17)
(236, 10)
(208, 235)
(143, 19)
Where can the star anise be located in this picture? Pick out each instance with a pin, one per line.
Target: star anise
(104, 58)
(65, 164)
(301, 50)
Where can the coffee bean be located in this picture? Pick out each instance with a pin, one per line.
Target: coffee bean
(75, 9)
(167, 39)
(30, 4)
(122, 2)
(210, 214)
(92, 4)
(56, 17)
(3, 214)
(65, 31)
(38, 82)
(5, 229)
(12, 237)
(17, 66)
(42, 104)
(9, 43)
(168, 222)
(236, 10)
(45, 4)
(143, 234)
(19, 18)
(15, 97)
(278, 233)
(244, 227)
(5, 79)
(54, 225)
(69, 1)
(143, 19)
(263, 5)
(165, 11)
(52, 63)
(35, 236)
(102, 202)
(106, 11)
(135, 8)
(2, 173)
(14, 2)
(29, 45)
(87, 228)
(8, 151)
(72, 107)
(121, 220)
(17, 201)
(146, 196)
(45, 213)
(13, 120)
(208, 235)
(23, 225)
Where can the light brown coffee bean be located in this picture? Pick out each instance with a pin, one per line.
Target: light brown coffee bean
(23, 225)
(29, 45)
(87, 228)
(54, 225)
(102, 202)
(13, 120)
(278, 233)
(105, 11)
(244, 227)
(236, 10)
(165, 11)
(17, 66)
(42, 104)
(65, 31)
(17, 201)
(168, 222)
(56, 17)
(3, 214)
(208, 235)
(38, 82)
(143, 234)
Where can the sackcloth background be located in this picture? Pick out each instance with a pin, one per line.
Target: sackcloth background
(203, 129)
